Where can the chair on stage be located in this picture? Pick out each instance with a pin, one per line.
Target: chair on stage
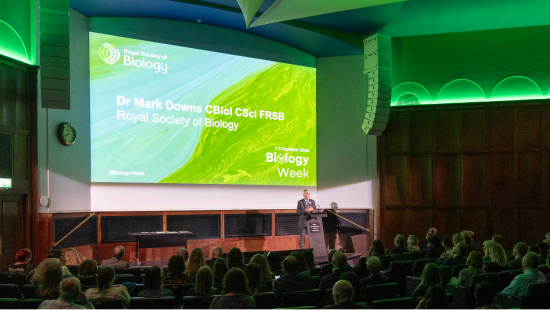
(153, 303)
(9, 303)
(9, 291)
(30, 291)
(107, 303)
(396, 303)
(265, 301)
(200, 302)
(301, 298)
(381, 291)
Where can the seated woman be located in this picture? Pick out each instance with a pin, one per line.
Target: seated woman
(176, 271)
(87, 272)
(152, 280)
(377, 249)
(412, 243)
(56, 252)
(235, 293)
(235, 258)
(73, 257)
(499, 261)
(430, 276)
(48, 275)
(303, 269)
(274, 260)
(475, 263)
(204, 282)
(219, 271)
(22, 264)
(252, 272)
(265, 271)
(105, 288)
(196, 261)
(435, 298)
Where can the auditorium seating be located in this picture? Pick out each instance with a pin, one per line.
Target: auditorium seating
(536, 297)
(14, 278)
(412, 284)
(107, 303)
(396, 303)
(381, 291)
(30, 303)
(419, 265)
(445, 272)
(73, 269)
(265, 301)
(121, 278)
(505, 278)
(301, 298)
(9, 303)
(30, 291)
(455, 271)
(316, 281)
(197, 302)
(315, 271)
(153, 303)
(463, 296)
(178, 291)
(139, 288)
(9, 291)
(398, 272)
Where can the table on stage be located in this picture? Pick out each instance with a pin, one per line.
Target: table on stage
(160, 239)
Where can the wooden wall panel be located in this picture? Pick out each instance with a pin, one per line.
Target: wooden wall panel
(483, 167)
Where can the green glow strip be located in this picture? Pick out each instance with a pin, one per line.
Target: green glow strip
(23, 44)
(5, 183)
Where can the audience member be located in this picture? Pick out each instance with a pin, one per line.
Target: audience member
(176, 271)
(431, 232)
(265, 271)
(475, 266)
(274, 260)
(377, 249)
(469, 240)
(459, 256)
(339, 262)
(352, 278)
(196, 261)
(152, 280)
(183, 252)
(56, 252)
(73, 257)
(498, 239)
(435, 298)
(413, 242)
(105, 288)
(219, 272)
(498, 262)
(327, 269)
(48, 275)
(530, 275)
(376, 278)
(255, 287)
(217, 252)
(343, 294)
(116, 261)
(235, 258)
(519, 252)
(235, 292)
(289, 281)
(69, 293)
(486, 256)
(485, 293)
(400, 246)
(87, 272)
(435, 249)
(448, 244)
(543, 250)
(310, 258)
(22, 264)
(204, 284)
(302, 264)
(430, 276)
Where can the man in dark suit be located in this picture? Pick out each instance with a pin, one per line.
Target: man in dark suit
(289, 281)
(304, 208)
(339, 262)
(342, 291)
(375, 278)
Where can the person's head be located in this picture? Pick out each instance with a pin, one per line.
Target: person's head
(378, 247)
(88, 268)
(339, 260)
(183, 252)
(520, 249)
(342, 291)
(458, 238)
(196, 261)
(498, 239)
(530, 261)
(430, 275)
(309, 257)
(176, 264)
(56, 252)
(48, 274)
(265, 271)
(374, 265)
(306, 194)
(204, 280)
(70, 288)
(435, 296)
(152, 279)
(352, 278)
(484, 293)
(23, 256)
(220, 270)
(105, 278)
(290, 265)
(432, 231)
(330, 254)
(274, 260)
(302, 264)
(235, 282)
(468, 236)
(435, 240)
(73, 257)
(217, 251)
(543, 247)
(413, 240)
(448, 242)
(399, 240)
(475, 259)
(497, 253)
(118, 252)
(235, 258)
(252, 272)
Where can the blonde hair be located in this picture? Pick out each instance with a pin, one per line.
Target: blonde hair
(204, 281)
(497, 253)
(458, 238)
(49, 275)
(265, 271)
(73, 257)
(413, 240)
(196, 261)
(431, 275)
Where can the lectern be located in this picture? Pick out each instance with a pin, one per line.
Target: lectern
(316, 234)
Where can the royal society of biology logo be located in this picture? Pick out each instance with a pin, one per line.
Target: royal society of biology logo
(109, 53)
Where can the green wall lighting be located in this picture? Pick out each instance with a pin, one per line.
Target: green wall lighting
(461, 91)
(404, 90)
(5, 183)
(11, 44)
(516, 88)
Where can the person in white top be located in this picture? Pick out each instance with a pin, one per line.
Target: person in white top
(105, 288)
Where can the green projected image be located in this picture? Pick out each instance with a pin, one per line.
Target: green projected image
(168, 114)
